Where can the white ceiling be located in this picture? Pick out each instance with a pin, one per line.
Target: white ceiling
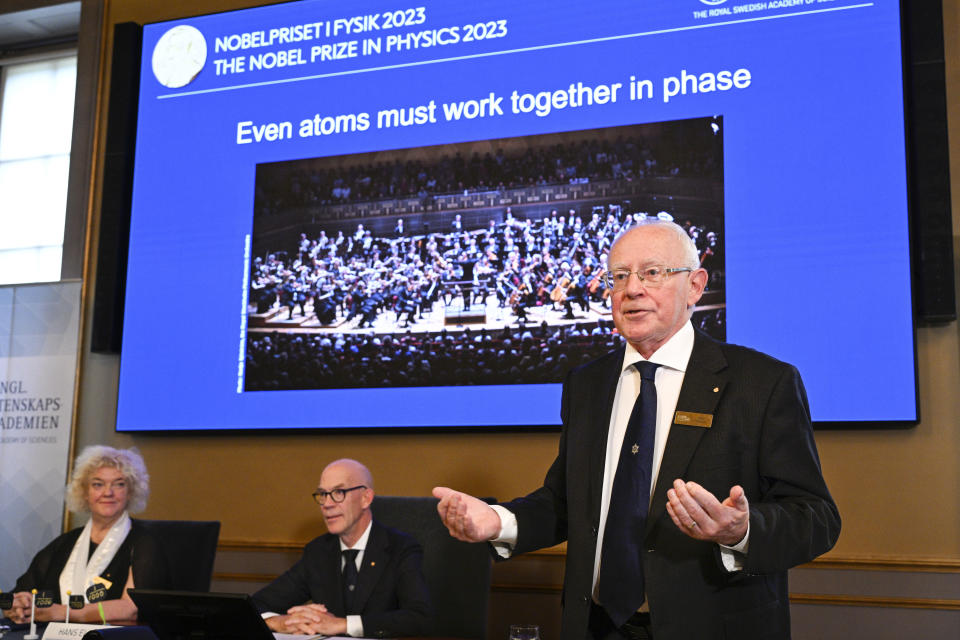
(38, 24)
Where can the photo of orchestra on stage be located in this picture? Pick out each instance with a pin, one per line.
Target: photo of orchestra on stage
(476, 263)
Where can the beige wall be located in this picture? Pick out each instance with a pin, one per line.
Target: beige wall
(898, 491)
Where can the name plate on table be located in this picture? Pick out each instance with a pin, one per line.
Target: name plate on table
(71, 631)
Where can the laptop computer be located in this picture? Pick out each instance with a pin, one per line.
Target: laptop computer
(189, 615)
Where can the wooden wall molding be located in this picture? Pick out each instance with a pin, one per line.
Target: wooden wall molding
(260, 546)
(875, 601)
(243, 577)
(558, 553)
(795, 598)
(284, 546)
(891, 563)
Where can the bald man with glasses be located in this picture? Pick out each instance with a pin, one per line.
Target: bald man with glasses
(360, 579)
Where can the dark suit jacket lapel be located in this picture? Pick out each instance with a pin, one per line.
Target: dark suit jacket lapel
(332, 585)
(703, 385)
(375, 558)
(605, 389)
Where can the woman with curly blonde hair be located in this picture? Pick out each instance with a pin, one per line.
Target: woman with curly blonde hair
(112, 552)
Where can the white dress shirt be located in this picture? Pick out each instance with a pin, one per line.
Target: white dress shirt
(354, 622)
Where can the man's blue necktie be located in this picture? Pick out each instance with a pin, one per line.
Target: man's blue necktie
(350, 576)
(621, 586)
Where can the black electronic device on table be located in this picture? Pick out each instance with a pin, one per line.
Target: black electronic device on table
(189, 615)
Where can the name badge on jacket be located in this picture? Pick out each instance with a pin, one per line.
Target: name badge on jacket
(693, 419)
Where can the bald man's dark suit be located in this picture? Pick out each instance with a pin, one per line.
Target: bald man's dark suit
(391, 595)
(760, 438)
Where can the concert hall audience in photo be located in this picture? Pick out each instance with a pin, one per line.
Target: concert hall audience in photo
(536, 354)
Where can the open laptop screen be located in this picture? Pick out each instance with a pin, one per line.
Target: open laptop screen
(188, 615)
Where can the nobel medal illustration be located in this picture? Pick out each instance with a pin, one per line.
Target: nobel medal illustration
(179, 56)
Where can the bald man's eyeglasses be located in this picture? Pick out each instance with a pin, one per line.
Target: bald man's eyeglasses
(649, 277)
(338, 495)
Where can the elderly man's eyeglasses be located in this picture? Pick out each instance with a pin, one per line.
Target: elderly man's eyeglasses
(649, 277)
(338, 495)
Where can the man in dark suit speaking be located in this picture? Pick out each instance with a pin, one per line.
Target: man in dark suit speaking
(360, 579)
(687, 481)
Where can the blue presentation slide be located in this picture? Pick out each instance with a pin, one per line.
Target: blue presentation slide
(773, 129)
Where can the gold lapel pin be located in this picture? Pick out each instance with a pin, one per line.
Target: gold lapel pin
(716, 389)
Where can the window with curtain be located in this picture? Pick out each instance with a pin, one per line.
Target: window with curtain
(36, 121)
